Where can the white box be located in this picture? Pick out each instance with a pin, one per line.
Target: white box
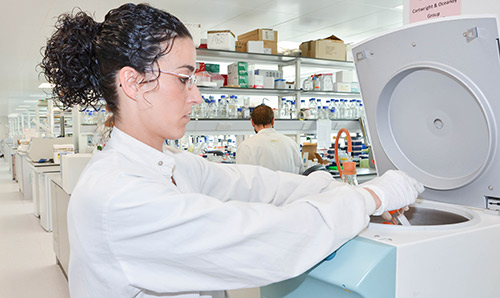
(72, 166)
(255, 46)
(62, 149)
(257, 81)
(348, 49)
(269, 82)
(342, 87)
(280, 84)
(275, 74)
(221, 40)
(344, 76)
(195, 30)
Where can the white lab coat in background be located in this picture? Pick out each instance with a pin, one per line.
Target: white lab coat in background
(133, 233)
(271, 149)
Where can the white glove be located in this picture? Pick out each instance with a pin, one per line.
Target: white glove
(395, 189)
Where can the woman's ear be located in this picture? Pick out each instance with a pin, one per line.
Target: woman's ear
(128, 78)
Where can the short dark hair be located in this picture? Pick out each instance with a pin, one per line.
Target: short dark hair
(83, 57)
(262, 115)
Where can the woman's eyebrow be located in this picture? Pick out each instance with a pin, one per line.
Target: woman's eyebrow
(190, 67)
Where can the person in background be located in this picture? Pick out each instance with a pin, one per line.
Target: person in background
(269, 148)
(148, 221)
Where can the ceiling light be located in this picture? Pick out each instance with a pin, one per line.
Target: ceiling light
(46, 86)
(21, 109)
(13, 115)
(30, 101)
(24, 106)
(399, 7)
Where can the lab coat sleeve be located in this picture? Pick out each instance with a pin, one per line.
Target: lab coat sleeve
(249, 183)
(171, 242)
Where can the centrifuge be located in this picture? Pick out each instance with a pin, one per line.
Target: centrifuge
(432, 98)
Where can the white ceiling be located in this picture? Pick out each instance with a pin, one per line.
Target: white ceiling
(26, 25)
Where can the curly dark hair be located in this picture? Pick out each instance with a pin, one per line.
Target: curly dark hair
(83, 57)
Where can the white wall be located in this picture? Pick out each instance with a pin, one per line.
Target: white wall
(4, 129)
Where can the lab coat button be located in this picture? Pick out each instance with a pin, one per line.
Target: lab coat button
(160, 163)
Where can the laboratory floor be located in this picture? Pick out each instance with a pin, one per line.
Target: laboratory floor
(28, 266)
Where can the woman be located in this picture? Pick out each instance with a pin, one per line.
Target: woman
(147, 223)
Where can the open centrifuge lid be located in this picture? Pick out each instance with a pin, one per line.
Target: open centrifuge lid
(431, 92)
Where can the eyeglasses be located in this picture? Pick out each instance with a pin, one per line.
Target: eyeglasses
(190, 80)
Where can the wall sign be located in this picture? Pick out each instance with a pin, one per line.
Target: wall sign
(421, 10)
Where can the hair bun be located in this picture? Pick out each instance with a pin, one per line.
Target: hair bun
(69, 60)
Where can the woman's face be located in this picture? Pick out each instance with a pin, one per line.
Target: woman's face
(167, 101)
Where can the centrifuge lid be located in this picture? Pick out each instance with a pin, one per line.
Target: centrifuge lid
(429, 91)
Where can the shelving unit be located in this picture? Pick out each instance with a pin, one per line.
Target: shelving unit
(218, 56)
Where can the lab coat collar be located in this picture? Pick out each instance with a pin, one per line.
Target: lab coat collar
(137, 150)
(267, 130)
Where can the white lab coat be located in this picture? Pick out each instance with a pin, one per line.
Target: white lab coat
(270, 149)
(133, 233)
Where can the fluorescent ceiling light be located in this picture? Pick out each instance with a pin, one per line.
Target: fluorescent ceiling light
(30, 101)
(46, 86)
(24, 106)
(400, 7)
(21, 109)
(13, 115)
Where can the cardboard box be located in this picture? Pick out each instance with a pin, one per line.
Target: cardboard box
(212, 68)
(260, 34)
(240, 46)
(237, 74)
(236, 79)
(270, 47)
(331, 48)
(221, 40)
(237, 67)
(268, 36)
(255, 46)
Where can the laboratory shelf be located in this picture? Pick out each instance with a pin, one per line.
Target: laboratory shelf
(277, 92)
(243, 126)
(208, 55)
(248, 91)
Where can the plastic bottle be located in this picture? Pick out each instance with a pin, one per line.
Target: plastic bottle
(354, 109)
(361, 110)
(212, 109)
(332, 115)
(316, 83)
(341, 109)
(293, 110)
(222, 107)
(313, 109)
(349, 173)
(302, 114)
(232, 107)
(284, 109)
(324, 113)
